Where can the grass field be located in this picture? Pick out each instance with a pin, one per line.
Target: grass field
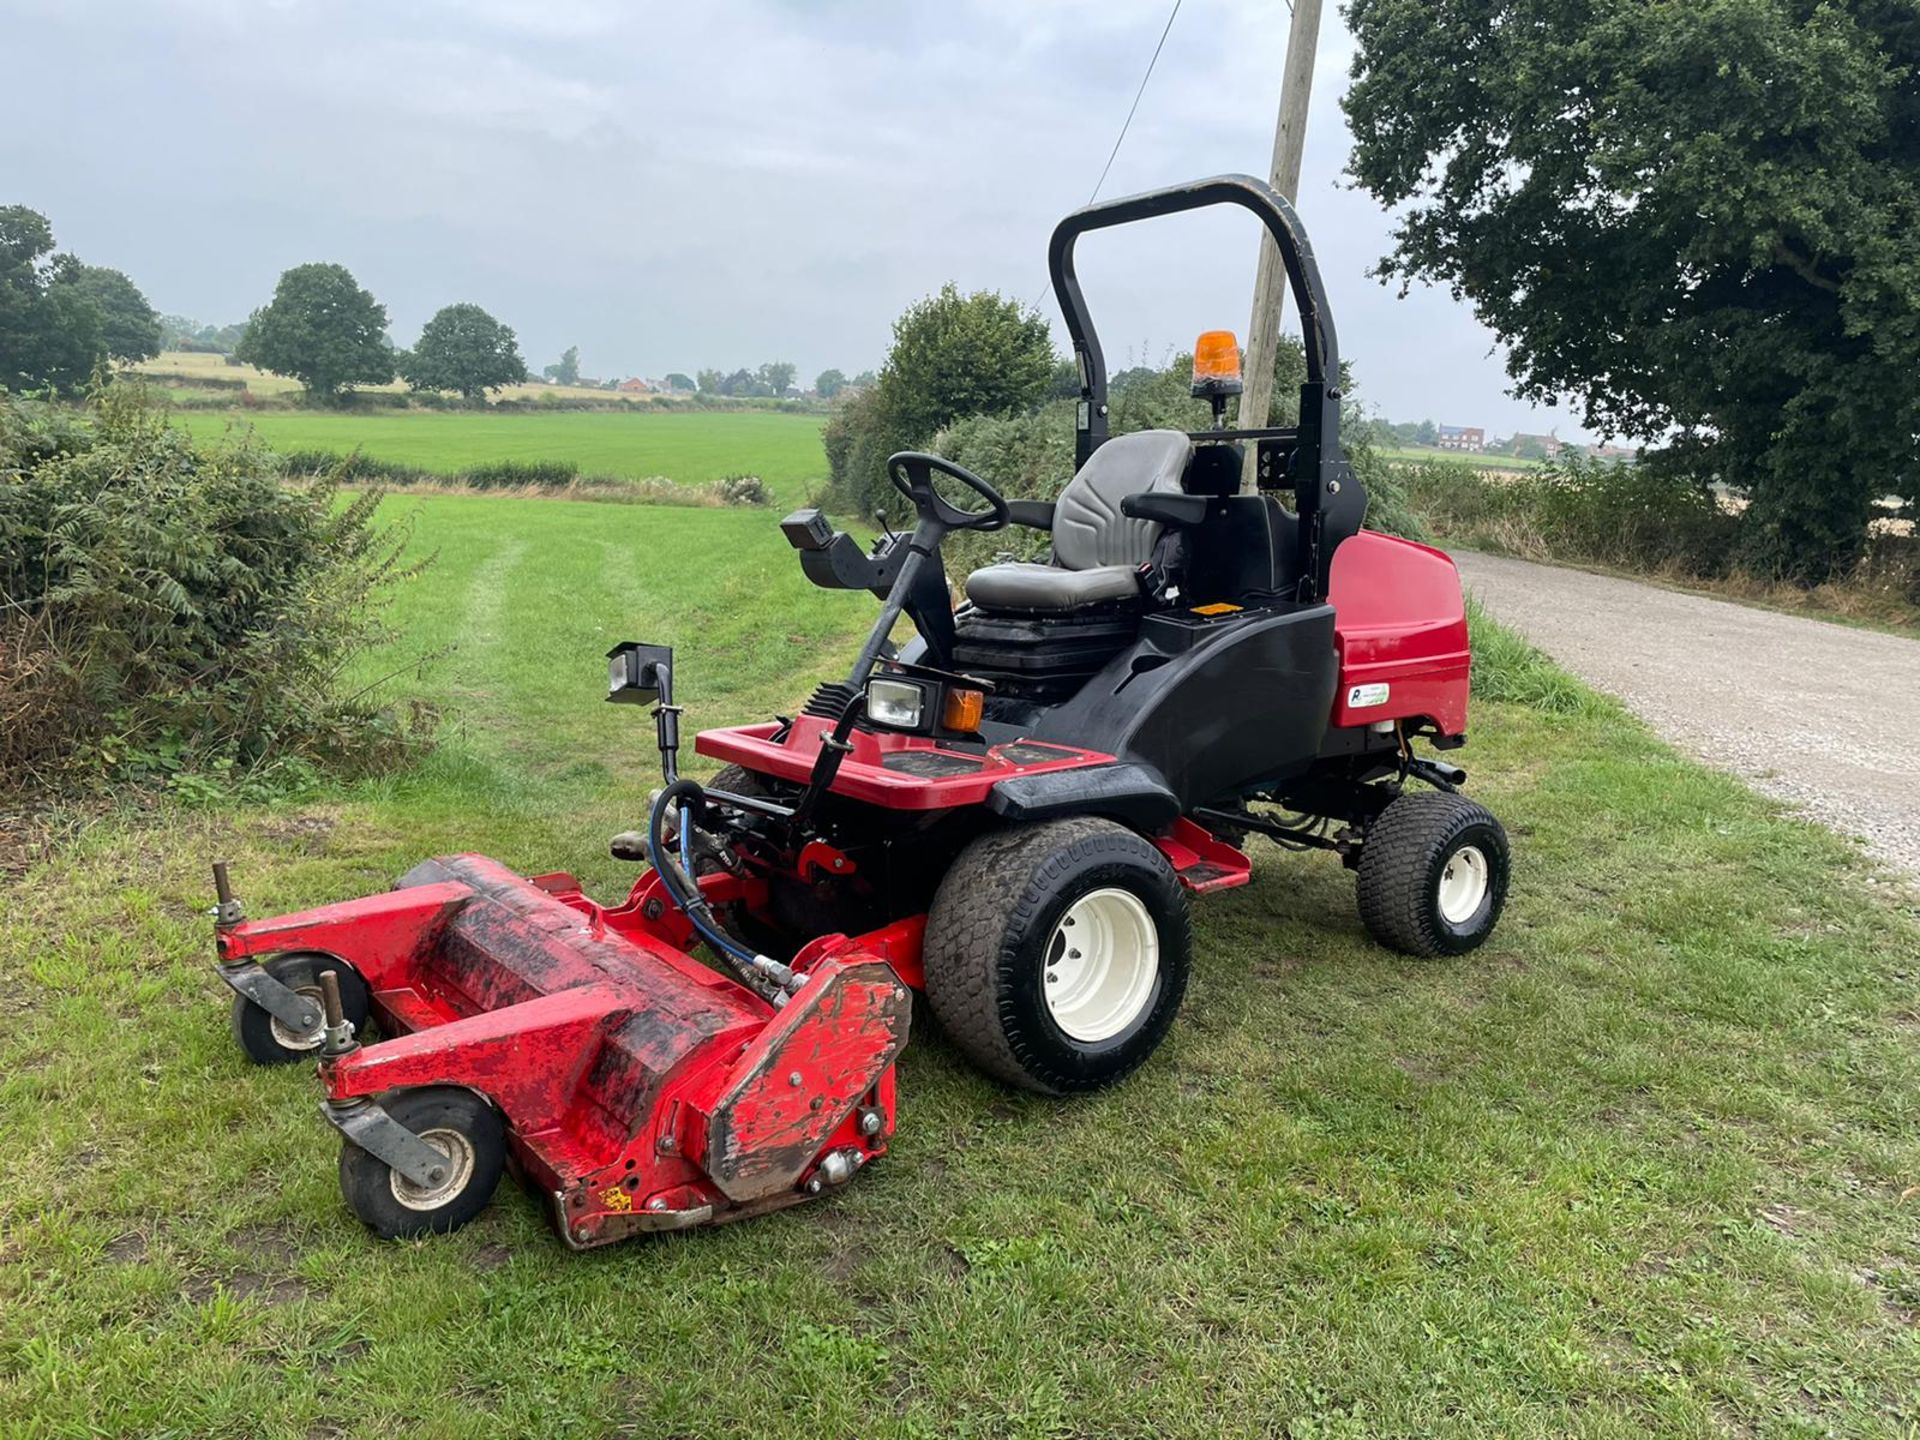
(1645, 1165)
(192, 366)
(1478, 462)
(688, 447)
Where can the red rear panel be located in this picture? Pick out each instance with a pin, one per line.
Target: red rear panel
(1400, 623)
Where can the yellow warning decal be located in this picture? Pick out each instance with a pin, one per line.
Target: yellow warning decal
(1218, 608)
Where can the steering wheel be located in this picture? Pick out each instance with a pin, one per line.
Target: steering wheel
(911, 472)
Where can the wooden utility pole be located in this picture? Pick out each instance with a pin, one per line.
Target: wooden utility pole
(1270, 284)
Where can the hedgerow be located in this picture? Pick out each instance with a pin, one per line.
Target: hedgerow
(181, 614)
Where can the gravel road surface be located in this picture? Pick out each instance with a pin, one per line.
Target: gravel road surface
(1813, 713)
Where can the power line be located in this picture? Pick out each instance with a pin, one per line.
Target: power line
(1125, 125)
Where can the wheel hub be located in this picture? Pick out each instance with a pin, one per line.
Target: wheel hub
(459, 1152)
(1463, 884)
(1101, 964)
(289, 1038)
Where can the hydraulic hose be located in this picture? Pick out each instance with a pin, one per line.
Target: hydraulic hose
(763, 975)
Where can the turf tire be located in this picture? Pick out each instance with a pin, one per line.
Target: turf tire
(992, 921)
(457, 1121)
(1402, 866)
(265, 1040)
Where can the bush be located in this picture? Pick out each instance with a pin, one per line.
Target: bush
(168, 611)
(513, 474)
(1645, 517)
(744, 490)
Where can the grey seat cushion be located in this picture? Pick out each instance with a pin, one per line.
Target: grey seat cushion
(1090, 535)
(1048, 587)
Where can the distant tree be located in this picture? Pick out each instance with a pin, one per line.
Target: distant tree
(51, 332)
(829, 383)
(128, 326)
(864, 379)
(740, 382)
(953, 356)
(1698, 219)
(677, 381)
(322, 329)
(711, 382)
(567, 372)
(463, 348)
(1426, 433)
(777, 376)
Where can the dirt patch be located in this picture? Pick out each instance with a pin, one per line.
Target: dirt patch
(268, 1243)
(308, 834)
(489, 1258)
(128, 1249)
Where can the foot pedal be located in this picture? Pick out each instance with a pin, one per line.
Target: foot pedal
(629, 845)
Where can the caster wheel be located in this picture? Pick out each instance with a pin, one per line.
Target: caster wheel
(1433, 875)
(266, 1039)
(461, 1126)
(1057, 954)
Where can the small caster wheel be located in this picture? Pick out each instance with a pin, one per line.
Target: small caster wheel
(1433, 875)
(460, 1125)
(267, 1039)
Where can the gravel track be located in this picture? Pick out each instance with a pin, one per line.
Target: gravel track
(1810, 712)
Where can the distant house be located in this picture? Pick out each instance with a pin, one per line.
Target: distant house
(1461, 437)
(1544, 447)
(1615, 452)
(636, 386)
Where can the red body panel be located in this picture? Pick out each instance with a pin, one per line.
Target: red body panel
(1400, 620)
(866, 774)
(642, 1090)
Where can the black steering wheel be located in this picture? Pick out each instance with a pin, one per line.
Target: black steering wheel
(911, 472)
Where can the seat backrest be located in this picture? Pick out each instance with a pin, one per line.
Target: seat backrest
(1088, 528)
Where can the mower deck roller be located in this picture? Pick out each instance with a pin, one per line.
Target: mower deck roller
(641, 1090)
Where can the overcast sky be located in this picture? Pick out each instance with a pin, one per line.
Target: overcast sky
(713, 183)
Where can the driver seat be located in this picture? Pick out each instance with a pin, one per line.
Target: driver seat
(1097, 551)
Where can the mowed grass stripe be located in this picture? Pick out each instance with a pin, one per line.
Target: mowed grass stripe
(1638, 1167)
(688, 448)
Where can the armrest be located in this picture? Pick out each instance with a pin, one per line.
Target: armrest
(1169, 507)
(1034, 514)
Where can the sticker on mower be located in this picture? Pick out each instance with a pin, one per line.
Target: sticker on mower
(1361, 697)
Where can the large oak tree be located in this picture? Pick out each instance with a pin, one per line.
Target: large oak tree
(323, 330)
(1700, 219)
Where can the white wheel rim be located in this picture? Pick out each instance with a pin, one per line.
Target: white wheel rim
(1463, 884)
(1101, 964)
(460, 1161)
(290, 1039)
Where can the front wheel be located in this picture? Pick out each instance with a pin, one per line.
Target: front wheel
(463, 1127)
(1057, 954)
(267, 1039)
(1433, 874)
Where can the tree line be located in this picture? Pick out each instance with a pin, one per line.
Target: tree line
(61, 319)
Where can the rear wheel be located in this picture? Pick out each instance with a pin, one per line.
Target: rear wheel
(1433, 874)
(269, 1040)
(464, 1128)
(1057, 954)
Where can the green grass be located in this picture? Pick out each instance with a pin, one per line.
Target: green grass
(687, 447)
(1642, 1166)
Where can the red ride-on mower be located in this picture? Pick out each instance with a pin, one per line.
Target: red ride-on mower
(1008, 814)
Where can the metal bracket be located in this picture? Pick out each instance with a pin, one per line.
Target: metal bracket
(290, 1008)
(385, 1138)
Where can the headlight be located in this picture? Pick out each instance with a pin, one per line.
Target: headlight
(897, 704)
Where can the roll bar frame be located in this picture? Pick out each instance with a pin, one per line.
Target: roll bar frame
(1330, 501)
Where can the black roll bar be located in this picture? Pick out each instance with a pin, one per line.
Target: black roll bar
(1273, 211)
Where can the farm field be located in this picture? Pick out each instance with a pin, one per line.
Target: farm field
(193, 366)
(687, 447)
(1642, 1166)
(1478, 462)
